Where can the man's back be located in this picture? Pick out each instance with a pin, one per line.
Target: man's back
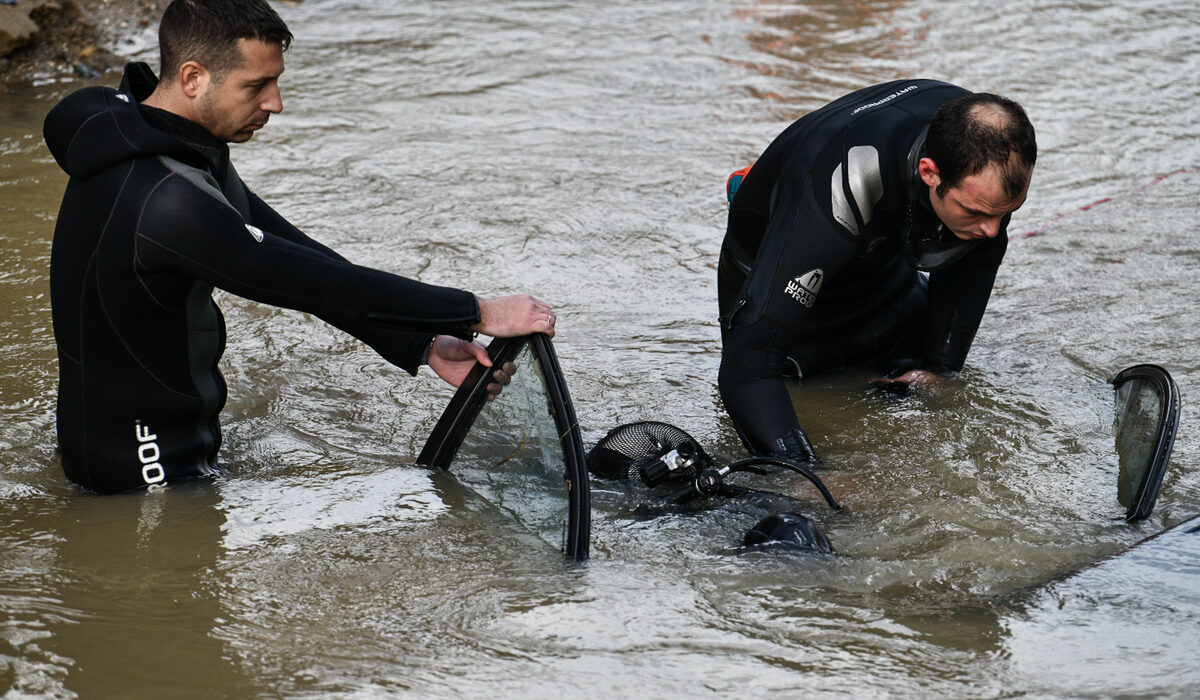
(138, 346)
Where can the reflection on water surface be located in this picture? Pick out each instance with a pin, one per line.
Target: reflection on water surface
(580, 153)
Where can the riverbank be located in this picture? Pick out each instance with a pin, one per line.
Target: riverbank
(46, 40)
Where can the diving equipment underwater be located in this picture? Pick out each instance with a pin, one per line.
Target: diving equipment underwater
(659, 454)
(790, 530)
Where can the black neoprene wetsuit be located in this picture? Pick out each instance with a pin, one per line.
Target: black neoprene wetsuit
(820, 267)
(154, 217)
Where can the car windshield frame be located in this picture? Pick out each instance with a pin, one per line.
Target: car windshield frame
(459, 416)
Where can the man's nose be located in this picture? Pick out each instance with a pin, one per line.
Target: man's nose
(991, 226)
(274, 102)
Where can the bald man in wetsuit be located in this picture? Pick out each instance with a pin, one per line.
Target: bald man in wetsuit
(155, 216)
(870, 230)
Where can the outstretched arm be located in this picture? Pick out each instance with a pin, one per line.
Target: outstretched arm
(266, 218)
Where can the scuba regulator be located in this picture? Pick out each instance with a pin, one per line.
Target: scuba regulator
(658, 454)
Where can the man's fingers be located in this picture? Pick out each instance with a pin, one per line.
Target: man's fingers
(480, 354)
(547, 319)
(503, 377)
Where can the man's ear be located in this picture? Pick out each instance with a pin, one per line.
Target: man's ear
(193, 78)
(930, 174)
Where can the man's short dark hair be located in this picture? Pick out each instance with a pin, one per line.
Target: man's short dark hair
(974, 131)
(207, 31)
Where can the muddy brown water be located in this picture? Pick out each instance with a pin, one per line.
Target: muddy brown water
(579, 152)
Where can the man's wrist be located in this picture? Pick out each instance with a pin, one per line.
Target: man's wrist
(428, 350)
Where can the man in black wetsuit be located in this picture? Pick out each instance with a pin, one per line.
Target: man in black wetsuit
(869, 230)
(155, 216)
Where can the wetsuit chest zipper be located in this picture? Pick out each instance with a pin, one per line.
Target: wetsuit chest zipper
(727, 320)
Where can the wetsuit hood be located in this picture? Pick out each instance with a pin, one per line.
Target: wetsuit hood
(97, 127)
(928, 244)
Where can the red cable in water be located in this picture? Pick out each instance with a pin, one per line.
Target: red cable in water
(1104, 200)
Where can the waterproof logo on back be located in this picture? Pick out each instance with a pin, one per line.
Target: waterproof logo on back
(804, 288)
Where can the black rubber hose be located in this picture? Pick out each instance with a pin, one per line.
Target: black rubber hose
(746, 465)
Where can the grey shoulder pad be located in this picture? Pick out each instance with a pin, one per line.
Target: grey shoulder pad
(201, 178)
(859, 186)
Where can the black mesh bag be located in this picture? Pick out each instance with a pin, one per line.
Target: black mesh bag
(649, 451)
